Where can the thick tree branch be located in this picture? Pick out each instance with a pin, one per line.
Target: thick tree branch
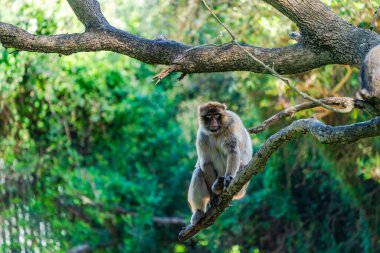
(228, 57)
(327, 39)
(111, 39)
(323, 133)
(307, 14)
(321, 28)
(89, 13)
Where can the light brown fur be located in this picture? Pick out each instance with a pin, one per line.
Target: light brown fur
(221, 153)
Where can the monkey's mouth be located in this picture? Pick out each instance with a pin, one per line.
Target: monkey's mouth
(214, 129)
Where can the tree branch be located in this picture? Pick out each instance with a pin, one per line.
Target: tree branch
(169, 221)
(345, 102)
(228, 57)
(307, 14)
(89, 13)
(320, 27)
(335, 46)
(374, 17)
(323, 133)
(274, 73)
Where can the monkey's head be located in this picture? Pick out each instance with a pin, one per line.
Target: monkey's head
(212, 117)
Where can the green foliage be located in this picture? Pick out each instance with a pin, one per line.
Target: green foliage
(91, 151)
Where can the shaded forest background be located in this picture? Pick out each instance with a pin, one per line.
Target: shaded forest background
(91, 152)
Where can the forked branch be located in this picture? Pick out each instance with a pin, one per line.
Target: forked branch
(342, 102)
(323, 133)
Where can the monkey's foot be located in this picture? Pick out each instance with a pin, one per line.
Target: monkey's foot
(196, 217)
(214, 200)
(217, 186)
(227, 181)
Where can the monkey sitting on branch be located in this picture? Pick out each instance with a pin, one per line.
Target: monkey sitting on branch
(223, 147)
(370, 77)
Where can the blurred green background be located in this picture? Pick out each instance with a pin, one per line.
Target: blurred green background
(92, 153)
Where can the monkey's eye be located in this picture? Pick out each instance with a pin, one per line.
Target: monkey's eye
(217, 116)
(208, 116)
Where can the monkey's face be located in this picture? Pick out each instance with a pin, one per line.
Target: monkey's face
(212, 121)
(212, 116)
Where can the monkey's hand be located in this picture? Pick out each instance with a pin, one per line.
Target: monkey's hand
(227, 181)
(214, 199)
(217, 186)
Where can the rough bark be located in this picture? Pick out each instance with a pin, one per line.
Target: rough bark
(323, 133)
(321, 28)
(327, 39)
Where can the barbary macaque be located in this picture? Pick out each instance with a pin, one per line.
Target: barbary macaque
(370, 77)
(223, 147)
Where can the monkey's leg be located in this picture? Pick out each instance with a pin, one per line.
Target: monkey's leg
(216, 190)
(198, 196)
(218, 185)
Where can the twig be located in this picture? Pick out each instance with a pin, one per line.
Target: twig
(173, 68)
(219, 21)
(168, 221)
(182, 76)
(343, 81)
(346, 102)
(271, 70)
(164, 73)
(374, 19)
(15, 51)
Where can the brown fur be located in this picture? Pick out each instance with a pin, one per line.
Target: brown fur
(223, 146)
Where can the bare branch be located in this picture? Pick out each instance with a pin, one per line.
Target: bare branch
(373, 21)
(228, 57)
(168, 221)
(344, 102)
(163, 74)
(308, 15)
(300, 57)
(320, 27)
(323, 133)
(89, 13)
(343, 80)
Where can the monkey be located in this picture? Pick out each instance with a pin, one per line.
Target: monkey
(223, 148)
(370, 77)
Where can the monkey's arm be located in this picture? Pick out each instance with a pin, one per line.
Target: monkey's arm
(204, 153)
(233, 160)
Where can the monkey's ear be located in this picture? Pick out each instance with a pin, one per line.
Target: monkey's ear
(200, 109)
(224, 106)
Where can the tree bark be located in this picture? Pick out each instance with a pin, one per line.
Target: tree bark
(326, 39)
